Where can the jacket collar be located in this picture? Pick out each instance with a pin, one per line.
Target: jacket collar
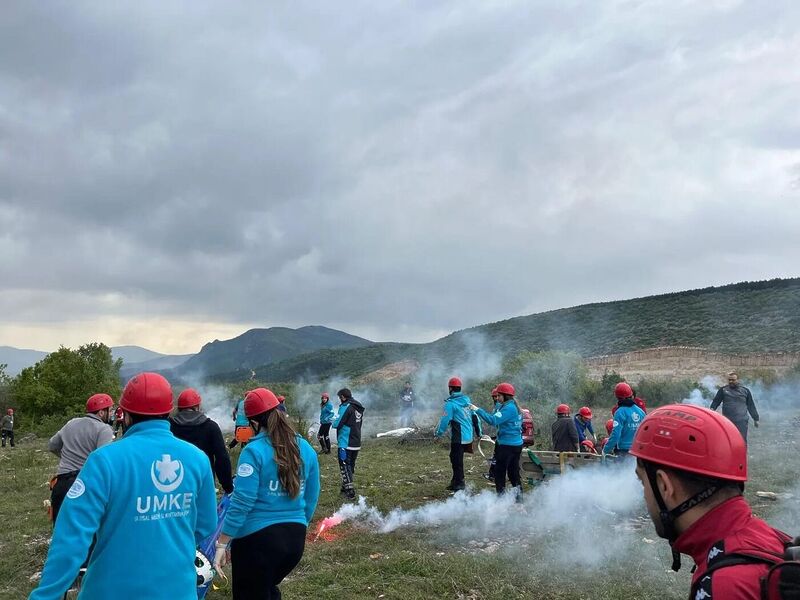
(158, 426)
(720, 522)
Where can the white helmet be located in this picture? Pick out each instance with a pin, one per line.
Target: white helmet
(203, 567)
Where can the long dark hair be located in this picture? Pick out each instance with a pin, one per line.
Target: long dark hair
(287, 452)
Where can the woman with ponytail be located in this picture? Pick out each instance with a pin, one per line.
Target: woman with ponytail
(274, 497)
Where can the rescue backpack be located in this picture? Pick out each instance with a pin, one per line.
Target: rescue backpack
(782, 581)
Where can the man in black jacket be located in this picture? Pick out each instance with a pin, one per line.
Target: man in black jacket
(192, 426)
(737, 403)
(348, 438)
(565, 434)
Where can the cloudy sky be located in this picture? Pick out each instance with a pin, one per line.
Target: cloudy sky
(171, 173)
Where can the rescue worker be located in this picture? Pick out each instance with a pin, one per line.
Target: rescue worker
(493, 461)
(118, 421)
(7, 427)
(639, 401)
(241, 426)
(564, 432)
(74, 442)
(407, 405)
(604, 438)
(588, 447)
(583, 423)
(692, 464)
(737, 402)
(348, 439)
(282, 404)
(325, 422)
(148, 499)
(627, 419)
(508, 421)
(457, 415)
(192, 425)
(276, 493)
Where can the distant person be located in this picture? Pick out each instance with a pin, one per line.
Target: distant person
(119, 425)
(583, 423)
(325, 422)
(277, 489)
(564, 433)
(282, 404)
(348, 439)
(508, 449)
(493, 461)
(588, 447)
(639, 401)
(627, 419)
(737, 402)
(73, 443)
(192, 425)
(692, 466)
(148, 499)
(242, 431)
(458, 417)
(407, 405)
(8, 427)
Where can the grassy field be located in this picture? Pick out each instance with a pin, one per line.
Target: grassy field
(517, 553)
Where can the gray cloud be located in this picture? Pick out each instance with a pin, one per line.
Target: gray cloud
(396, 170)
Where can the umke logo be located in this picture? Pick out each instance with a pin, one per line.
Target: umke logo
(170, 474)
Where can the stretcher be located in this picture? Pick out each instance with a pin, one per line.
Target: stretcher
(538, 465)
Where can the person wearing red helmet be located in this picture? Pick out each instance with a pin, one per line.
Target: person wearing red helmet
(282, 403)
(275, 496)
(627, 419)
(146, 499)
(192, 425)
(604, 438)
(564, 433)
(325, 422)
(493, 462)
(588, 446)
(583, 423)
(692, 463)
(118, 421)
(74, 442)
(8, 427)
(458, 418)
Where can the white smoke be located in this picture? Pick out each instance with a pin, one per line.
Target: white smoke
(217, 401)
(700, 396)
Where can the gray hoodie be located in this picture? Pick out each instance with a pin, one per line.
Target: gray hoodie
(77, 439)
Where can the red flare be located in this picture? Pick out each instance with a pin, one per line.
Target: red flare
(327, 523)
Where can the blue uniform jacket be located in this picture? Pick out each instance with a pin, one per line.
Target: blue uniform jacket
(150, 500)
(626, 421)
(459, 417)
(326, 413)
(583, 427)
(508, 421)
(259, 500)
(241, 418)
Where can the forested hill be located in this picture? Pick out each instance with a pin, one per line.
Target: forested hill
(742, 317)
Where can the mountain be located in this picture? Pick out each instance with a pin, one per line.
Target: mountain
(264, 346)
(19, 358)
(134, 354)
(162, 362)
(743, 317)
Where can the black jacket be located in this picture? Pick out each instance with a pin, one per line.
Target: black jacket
(736, 403)
(565, 435)
(196, 428)
(348, 425)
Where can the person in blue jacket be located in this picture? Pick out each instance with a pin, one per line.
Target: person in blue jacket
(147, 500)
(583, 423)
(627, 419)
(507, 418)
(275, 495)
(325, 422)
(348, 439)
(242, 431)
(458, 416)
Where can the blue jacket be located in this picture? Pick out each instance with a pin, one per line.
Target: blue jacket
(508, 421)
(626, 421)
(459, 417)
(326, 413)
(241, 418)
(259, 500)
(348, 425)
(583, 427)
(150, 499)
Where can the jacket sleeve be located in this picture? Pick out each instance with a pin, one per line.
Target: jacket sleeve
(340, 418)
(206, 505)
(751, 406)
(222, 460)
(573, 435)
(55, 444)
(717, 400)
(105, 436)
(498, 417)
(245, 491)
(78, 521)
(613, 439)
(444, 421)
(589, 426)
(311, 493)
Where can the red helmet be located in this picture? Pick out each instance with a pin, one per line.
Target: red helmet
(494, 392)
(188, 398)
(694, 439)
(562, 409)
(281, 399)
(623, 390)
(505, 388)
(585, 412)
(147, 394)
(325, 395)
(589, 445)
(258, 401)
(454, 382)
(10, 411)
(610, 426)
(98, 402)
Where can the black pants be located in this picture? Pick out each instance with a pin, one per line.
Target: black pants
(323, 435)
(261, 560)
(59, 491)
(507, 464)
(740, 425)
(457, 463)
(347, 468)
(8, 433)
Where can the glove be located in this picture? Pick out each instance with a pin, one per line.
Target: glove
(756, 424)
(472, 407)
(221, 558)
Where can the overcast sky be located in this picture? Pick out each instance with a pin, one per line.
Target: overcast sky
(171, 173)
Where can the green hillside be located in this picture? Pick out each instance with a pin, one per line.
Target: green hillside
(742, 317)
